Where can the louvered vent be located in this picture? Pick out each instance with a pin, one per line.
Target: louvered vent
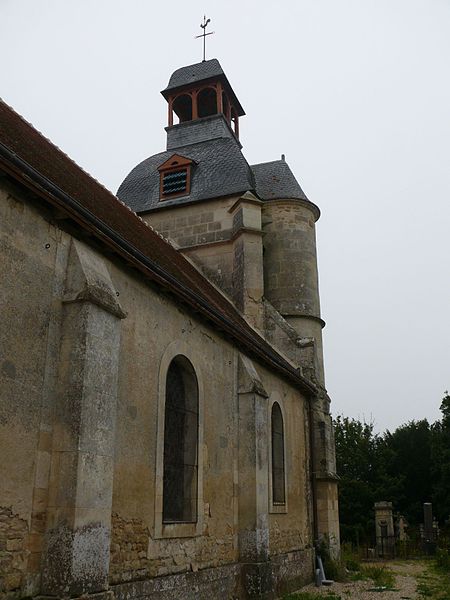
(174, 182)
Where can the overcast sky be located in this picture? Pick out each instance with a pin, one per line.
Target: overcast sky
(355, 93)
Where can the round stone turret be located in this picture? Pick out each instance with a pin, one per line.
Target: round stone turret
(290, 264)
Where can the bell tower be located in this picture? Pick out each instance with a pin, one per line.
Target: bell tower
(250, 228)
(199, 91)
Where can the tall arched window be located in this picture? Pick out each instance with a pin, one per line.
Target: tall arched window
(180, 443)
(278, 475)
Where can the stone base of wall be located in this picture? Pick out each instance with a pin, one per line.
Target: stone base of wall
(260, 581)
(13, 553)
(218, 583)
(292, 571)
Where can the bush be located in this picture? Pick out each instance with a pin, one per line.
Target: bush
(334, 569)
(350, 558)
(381, 576)
(443, 559)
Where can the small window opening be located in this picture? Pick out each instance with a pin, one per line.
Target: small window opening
(278, 474)
(180, 443)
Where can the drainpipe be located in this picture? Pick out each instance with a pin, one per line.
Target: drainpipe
(312, 472)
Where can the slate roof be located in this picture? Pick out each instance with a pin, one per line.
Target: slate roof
(194, 73)
(55, 181)
(276, 180)
(221, 170)
(208, 69)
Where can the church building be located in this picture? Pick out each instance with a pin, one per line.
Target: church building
(164, 423)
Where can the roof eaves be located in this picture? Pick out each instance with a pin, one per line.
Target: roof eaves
(25, 173)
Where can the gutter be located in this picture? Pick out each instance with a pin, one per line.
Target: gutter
(24, 173)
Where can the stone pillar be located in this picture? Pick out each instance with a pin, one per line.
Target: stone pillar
(248, 277)
(76, 556)
(429, 530)
(253, 483)
(384, 527)
(324, 472)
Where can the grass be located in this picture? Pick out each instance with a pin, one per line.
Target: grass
(311, 596)
(434, 582)
(381, 576)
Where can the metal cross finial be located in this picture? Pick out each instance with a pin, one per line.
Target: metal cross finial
(204, 34)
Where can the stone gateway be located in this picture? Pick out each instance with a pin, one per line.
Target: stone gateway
(164, 424)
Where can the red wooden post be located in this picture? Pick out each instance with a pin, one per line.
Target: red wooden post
(219, 97)
(194, 95)
(170, 120)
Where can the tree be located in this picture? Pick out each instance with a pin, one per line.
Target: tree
(355, 461)
(440, 454)
(407, 467)
(410, 462)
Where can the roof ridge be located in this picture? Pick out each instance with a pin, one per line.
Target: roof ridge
(35, 162)
(268, 162)
(47, 139)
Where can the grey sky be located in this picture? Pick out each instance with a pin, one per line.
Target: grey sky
(355, 93)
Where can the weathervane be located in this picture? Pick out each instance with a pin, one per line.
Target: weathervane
(204, 34)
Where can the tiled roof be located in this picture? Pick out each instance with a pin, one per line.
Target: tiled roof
(221, 170)
(275, 180)
(32, 161)
(194, 73)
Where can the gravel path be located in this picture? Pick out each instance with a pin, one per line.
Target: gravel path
(405, 585)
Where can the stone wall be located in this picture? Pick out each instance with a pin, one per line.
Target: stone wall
(194, 224)
(59, 429)
(13, 552)
(135, 555)
(203, 231)
(290, 239)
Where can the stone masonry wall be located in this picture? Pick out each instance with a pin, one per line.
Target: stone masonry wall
(201, 230)
(153, 324)
(13, 553)
(135, 555)
(190, 230)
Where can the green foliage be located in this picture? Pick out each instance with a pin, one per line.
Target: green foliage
(443, 559)
(407, 467)
(334, 569)
(410, 455)
(380, 575)
(350, 559)
(434, 583)
(311, 596)
(440, 453)
(355, 459)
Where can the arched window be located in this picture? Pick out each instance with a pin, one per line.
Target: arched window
(278, 475)
(207, 102)
(182, 106)
(180, 443)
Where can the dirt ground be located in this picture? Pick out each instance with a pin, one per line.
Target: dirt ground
(405, 585)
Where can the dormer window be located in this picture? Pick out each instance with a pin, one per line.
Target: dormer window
(175, 177)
